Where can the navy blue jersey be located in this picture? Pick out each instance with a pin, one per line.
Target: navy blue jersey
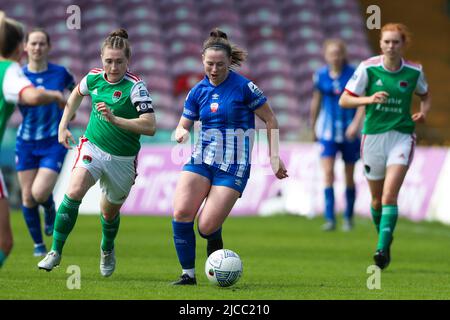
(41, 122)
(333, 120)
(226, 113)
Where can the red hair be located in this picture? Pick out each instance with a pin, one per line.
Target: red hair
(400, 28)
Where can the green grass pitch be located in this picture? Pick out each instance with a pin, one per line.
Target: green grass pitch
(284, 258)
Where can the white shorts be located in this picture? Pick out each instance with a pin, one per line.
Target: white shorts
(3, 190)
(379, 151)
(117, 174)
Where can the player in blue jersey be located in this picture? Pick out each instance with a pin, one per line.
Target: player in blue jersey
(335, 128)
(39, 156)
(225, 103)
(14, 88)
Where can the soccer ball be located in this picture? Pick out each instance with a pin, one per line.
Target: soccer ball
(223, 267)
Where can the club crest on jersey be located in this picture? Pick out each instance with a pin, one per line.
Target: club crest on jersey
(403, 85)
(116, 96)
(214, 106)
(86, 159)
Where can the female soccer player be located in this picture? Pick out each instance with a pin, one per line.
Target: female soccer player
(121, 111)
(39, 155)
(225, 103)
(386, 84)
(335, 128)
(14, 88)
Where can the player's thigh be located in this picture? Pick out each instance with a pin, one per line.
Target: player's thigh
(26, 179)
(43, 184)
(190, 192)
(80, 182)
(395, 175)
(217, 207)
(6, 238)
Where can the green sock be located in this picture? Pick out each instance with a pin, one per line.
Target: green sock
(2, 258)
(65, 221)
(387, 225)
(109, 232)
(376, 217)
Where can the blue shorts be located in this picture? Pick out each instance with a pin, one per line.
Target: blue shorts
(218, 177)
(349, 150)
(46, 153)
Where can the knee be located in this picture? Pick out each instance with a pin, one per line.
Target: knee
(206, 228)
(39, 196)
(376, 204)
(75, 193)
(329, 177)
(109, 216)
(183, 215)
(28, 200)
(389, 198)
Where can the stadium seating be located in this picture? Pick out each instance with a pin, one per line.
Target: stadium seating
(283, 38)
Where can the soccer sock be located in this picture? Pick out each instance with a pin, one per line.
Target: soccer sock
(329, 204)
(184, 238)
(387, 225)
(49, 208)
(65, 221)
(109, 232)
(350, 195)
(376, 217)
(215, 241)
(2, 258)
(33, 221)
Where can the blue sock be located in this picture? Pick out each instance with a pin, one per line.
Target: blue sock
(350, 195)
(184, 238)
(329, 204)
(49, 209)
(33, 221)
(2, 258)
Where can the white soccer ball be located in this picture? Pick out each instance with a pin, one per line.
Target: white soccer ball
(223, 267)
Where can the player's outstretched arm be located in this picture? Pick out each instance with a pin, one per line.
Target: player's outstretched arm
(73, 103)
(32, 96)
(348, 101)
(266, 114)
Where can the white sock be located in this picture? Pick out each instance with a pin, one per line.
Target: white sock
(190, 272)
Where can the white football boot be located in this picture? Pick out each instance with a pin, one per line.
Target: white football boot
(51, 260)
(107, 262)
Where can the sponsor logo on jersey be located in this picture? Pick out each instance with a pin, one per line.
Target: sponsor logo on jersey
(39, 80)
(94, 91)
(214, 106)
(253, 88)
(116, 96)
(87, 159)
(379, 83)
(403, 85)
(215, 96)
(143, 93)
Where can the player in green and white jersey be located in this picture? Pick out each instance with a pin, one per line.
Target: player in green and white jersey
(121, 111)
(385, 85)
(14, 88)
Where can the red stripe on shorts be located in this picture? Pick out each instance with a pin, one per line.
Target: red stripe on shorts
(82, 141)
